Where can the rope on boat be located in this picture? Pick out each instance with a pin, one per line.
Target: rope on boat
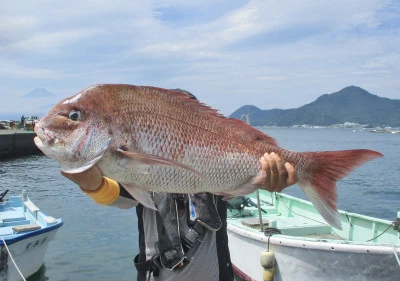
(395, 254)
(390, 225)
(9, 254)
(287, 207)
(377, 236)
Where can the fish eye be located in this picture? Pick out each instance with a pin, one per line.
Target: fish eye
(75, 115)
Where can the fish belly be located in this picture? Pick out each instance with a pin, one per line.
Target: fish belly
(216, 175)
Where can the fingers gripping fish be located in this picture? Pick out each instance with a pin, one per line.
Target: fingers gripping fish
(153, 139)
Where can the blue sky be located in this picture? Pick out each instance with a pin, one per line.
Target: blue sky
(272, 54)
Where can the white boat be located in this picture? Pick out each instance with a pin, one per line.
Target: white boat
(301, 246)
(25, 233)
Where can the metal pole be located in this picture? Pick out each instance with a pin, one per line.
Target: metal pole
(259, 212)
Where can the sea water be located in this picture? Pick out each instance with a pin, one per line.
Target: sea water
(95, 243)
(99, 243)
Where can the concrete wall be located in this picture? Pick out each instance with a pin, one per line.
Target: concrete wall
(17, 144)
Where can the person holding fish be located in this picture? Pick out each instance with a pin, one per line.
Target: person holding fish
(176, 159)
(189, 243)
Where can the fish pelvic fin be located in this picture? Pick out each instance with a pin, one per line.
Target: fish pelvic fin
(325, 168)
(150, 159)
(142, 196)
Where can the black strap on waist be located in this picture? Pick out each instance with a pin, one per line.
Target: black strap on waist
(150, 266)
(192, 236)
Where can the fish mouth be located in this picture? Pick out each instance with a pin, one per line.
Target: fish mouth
(44, 137)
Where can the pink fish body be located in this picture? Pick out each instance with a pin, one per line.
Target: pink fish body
(153, 139)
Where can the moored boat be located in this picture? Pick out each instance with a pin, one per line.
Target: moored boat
(30, 122)
(25, 232)
(302, 246)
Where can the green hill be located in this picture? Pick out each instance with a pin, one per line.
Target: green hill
(351, 104)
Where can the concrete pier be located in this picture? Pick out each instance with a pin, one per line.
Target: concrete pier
(17, 143)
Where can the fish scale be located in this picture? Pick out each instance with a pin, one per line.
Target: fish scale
(203, 157)
(159, 140)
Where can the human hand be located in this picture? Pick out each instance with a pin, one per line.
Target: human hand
(278, 174)
(88, 180)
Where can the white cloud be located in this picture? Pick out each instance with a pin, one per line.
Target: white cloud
(51, 42)
(13, 70)
(228, 53)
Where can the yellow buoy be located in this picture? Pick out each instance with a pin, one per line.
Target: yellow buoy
(267, 259)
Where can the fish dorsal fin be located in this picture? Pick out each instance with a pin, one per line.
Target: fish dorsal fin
(188, 98)
(250, 133)
(243, 130)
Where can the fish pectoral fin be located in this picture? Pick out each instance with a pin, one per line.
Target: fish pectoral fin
(85, 166)
(150, 159)
(91, 162)
(140, 195)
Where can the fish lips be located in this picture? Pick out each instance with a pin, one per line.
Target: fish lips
(43, 137)
(46, 140)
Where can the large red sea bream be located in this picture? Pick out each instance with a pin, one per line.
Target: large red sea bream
(153, 139)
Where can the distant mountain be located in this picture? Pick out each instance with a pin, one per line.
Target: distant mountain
(37, 102)
(351, 104)
(39, 93)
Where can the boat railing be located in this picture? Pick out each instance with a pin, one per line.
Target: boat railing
(363, 228)
(355, 227)
(32, 208)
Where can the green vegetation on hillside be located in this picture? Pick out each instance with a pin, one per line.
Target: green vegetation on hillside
(351, 104)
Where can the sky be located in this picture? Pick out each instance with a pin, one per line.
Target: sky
(229, 53)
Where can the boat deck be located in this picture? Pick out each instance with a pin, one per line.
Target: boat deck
(18, 217)
(11, 218)
(304, 247)
(298, 218)
(292, 226)
(25, 233)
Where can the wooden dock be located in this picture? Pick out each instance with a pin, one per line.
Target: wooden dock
(17, 142)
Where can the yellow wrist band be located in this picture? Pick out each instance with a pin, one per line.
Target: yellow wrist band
(107, 193)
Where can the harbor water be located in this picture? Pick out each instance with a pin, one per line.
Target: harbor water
(99, 243)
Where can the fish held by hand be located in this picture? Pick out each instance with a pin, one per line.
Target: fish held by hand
(154, 139)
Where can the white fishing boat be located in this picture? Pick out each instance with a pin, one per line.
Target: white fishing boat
(297, 244)
(25, 233)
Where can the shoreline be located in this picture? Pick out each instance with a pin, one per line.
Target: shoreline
(17, 142)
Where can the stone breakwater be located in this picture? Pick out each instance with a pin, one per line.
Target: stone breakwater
(17, 143)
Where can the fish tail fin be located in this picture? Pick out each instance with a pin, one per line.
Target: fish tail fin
(318, 178)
